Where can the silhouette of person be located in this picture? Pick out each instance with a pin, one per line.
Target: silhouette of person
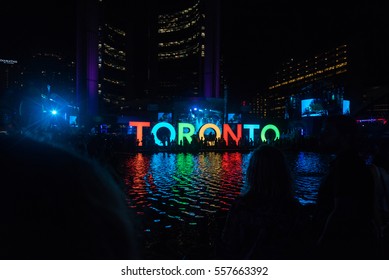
(56, 204)
(380, 170)
(343, 220)
(267, 221)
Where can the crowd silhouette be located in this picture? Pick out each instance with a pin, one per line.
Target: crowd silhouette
(348, 221)
(267, 221)
(343, 221)
(56, 204)
(66, 202)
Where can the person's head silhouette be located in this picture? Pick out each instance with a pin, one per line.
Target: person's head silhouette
(58, 205)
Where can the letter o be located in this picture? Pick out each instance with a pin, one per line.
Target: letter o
(168, 126)
(212, 126)
(266, 128)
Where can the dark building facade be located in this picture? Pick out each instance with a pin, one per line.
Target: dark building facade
(305, 89)
(8, 74)
(151, 52)
(329, 83)
(9, 88)
(112, 65)
(322, 77)
(113, 47)
(102, 63)
(176, 50)
(188, 49)
(87, 60)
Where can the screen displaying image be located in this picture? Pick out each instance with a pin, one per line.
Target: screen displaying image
(312, 108)
(73, 120)
(165, 117)
(346, 107)
(234, 118)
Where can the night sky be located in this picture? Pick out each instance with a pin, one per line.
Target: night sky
(257, 36)
(37, 26)
(276, 31)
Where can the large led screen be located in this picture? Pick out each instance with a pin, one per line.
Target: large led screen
(234, 118)
(346, 107)
(165, 117)
(312, 108)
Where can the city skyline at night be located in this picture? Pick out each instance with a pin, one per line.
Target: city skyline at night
(255, 38)
(232, 130)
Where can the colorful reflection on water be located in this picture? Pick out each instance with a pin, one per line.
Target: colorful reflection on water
(184, 187)
(185, 193)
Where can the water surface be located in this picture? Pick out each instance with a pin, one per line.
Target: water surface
(183, 198)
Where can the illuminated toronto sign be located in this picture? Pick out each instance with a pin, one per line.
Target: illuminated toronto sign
(187, 130)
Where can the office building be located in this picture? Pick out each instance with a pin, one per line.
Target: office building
(101, 58)
(322, 77)
(188, 50)
(150, 57)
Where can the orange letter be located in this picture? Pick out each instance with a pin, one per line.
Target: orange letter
(139, 131)
(212, 126)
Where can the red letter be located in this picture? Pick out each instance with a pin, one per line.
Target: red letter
(228, 131)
